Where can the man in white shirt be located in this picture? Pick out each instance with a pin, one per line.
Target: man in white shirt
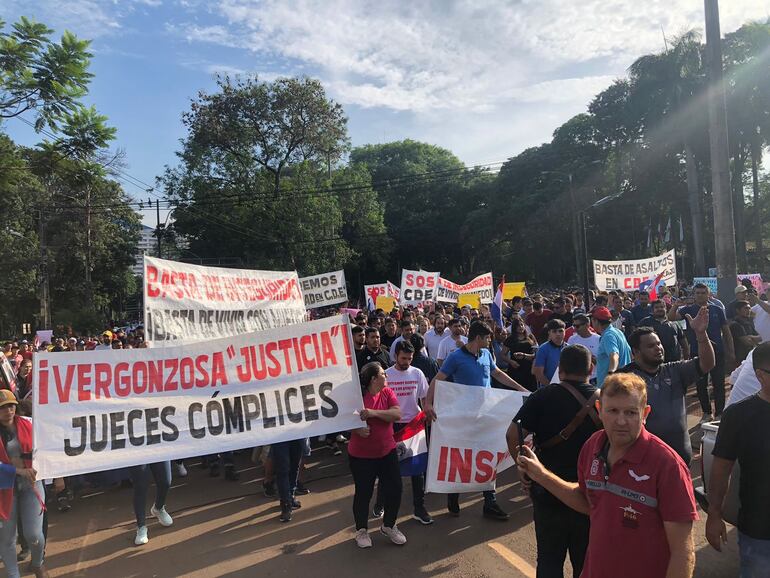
(434, 337)
(455, 340)
(407, 330)
(411, 388)
(761, 310)
(583, 336)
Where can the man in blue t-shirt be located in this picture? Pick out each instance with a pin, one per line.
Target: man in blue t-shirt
(719, 333)
(472, 365)
(614, 351)
(548, 355)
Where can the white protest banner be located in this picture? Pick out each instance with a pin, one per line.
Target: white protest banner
(483, 286)
(627, 275)
(710, 282)
(418, 286)
(467, 441)
(100, 410)
(374, 291)
(325, 289)
(394, 291)
(448, 291)
(186, 303)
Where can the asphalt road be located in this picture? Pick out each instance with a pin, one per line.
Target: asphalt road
(231, 529)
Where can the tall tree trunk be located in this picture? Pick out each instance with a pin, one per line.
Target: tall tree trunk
(739, 164)
(756, 152)
(696, 210)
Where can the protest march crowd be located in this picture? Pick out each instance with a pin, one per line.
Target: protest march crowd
(599, 436)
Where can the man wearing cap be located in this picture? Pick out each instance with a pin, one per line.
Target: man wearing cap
(614, 351)
(105, 341)
(741, 294)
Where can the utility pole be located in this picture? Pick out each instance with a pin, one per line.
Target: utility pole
(157, 226)
(89, 288)
(45, 300)
(579, 263)
(724, 229)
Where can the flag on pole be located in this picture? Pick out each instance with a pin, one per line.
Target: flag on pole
(667, 236)
(651, 286)
(497, 304)
(412, 447)
(681, 230)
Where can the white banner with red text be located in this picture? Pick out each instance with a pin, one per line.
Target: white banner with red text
(324, 289)
(628, 275)
(418, 286)
(101, 410)
(467, 442)
(186, 303)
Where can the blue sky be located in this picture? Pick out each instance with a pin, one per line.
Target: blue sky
(482, 78)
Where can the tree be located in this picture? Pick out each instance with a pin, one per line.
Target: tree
(254, 185)
(665, 86)
(40, 75)
(269, 125)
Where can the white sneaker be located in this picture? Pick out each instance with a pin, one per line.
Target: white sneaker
(162, 515)
(706, 418)
(141, 536)
(363, 539)
(181, 471)
(395, 535)
(341, 439)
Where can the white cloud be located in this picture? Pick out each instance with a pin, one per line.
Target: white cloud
(466, 54)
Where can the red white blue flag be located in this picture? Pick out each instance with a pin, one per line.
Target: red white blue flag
(412, 447)
(497, 304)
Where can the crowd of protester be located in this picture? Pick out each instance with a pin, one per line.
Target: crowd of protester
(606, 417)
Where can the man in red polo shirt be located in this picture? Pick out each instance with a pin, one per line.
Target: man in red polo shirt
(636, 490)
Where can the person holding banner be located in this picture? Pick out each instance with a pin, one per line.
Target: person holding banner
(411, 387)
(472, 365)
(562, 417)
(140, 479)
(372, 454)
(23, 499)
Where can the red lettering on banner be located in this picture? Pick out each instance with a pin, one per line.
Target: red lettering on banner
(152, 278)
(218, 373)
(102, 379)
(484, 469)
(84, 380)
(42, 380)
(200, 365)
(304, 341)
(329, 358)
(466, 464)
(460, 464)
(63, 386)
(442, 463)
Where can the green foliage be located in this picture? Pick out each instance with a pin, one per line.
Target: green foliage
(39, 75)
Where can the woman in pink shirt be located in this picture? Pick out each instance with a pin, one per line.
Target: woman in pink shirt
(372, 452)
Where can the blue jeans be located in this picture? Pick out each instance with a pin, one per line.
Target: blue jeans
(755, 557)
(27, 505)
(140, 478)
(286, 456)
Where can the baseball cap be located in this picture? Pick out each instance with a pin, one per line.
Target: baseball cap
(107, 334)
(602, 314)
(740, 289)
(7, 397)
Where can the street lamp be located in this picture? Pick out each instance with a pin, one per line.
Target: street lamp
(584, 245)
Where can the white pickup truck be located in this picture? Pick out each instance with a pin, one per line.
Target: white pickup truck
(732, 501)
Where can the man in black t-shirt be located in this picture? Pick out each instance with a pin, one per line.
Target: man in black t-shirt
(671, 334)
(546, 413)
(373, 351)
(743, 435)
